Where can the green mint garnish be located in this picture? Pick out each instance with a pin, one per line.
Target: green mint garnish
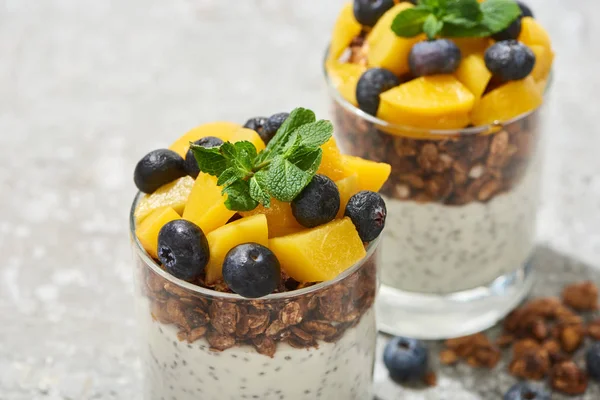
(280, 171)
(456, 18)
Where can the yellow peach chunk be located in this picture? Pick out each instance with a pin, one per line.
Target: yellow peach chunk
(431, 102)
(222, 130)
(544, 57)
(206, 205)
(385, 48)
(533, 33)
(473, 73)
(321, 253)
(348, 187)
(541, 86)
(174, 195)
(371, 175)
(344, 77)
(279, 216)
(469, 46)
(248, 135)
(345, 30)
(147, 231)
(332, 165)
(507, 101)
(246, 230)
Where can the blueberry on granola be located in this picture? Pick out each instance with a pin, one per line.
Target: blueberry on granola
(406, 359)
(272, 125)
(251, 270)
(370, 85)
(368, 12)
(526, 391)
(191, 166)
(367, 211)
(183, 249)
(433, 57)
(318, 203)
(158, 168)
(509, 60)
(592, 360)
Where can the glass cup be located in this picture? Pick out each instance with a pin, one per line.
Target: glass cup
(318, 341)
(462, 208)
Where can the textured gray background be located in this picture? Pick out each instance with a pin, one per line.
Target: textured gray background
(88, 86)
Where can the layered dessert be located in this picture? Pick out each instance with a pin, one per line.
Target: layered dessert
(448, 94)
(256, 253)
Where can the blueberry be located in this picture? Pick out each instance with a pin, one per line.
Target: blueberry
(406, 359)
(525, 10)
(318, 203)
(367, 211)
(371, 84)
(592, 360)
(511, 33)
(431, 57)
(191, 166)
(272, 125)
(257, 124)
(158, 168)
(526, 391)
(368, 12)
(509, 60)
(251, 270)
(183, 249)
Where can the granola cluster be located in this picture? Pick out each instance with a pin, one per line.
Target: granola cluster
(452, 170)
(543, 336)
(300, 321)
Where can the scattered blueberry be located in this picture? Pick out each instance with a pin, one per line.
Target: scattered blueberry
(158, 168)
(367, 211)
(251, 270)
(371, 84)
(272, 125)
(257, 124)
(368, 12)
(509, 60)
(511, 33)
(431, 57)
(191, 166)
(592, 360)
(318, 203)
(183, 249)
(526, 391)
(406, 359)
(525, 10)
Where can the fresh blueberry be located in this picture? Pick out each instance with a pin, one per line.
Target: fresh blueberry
(183, 249)
(592, 360)
(318, 203)
(432, 57)
(191, 166)
(509, 60)
(526, 391)
(251, 270)
(525, 10)
(257, 124)
(272, 125)
(406, 359)
(367, 211)
(158, 168)
(370, 85)
(511, 33)
(368, 12)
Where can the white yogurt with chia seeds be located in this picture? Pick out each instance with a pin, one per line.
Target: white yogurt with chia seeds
(182, 371)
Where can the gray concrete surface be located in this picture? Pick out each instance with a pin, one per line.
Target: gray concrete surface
(87, 87)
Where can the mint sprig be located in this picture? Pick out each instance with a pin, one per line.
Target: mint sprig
(280, 171)
(456, 18)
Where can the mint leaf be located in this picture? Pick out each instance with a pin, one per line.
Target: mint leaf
(315, 134)
(298, 117)
(238, 197)
(258, 188)
(452, 30)
(240, 155)
(210, 161)
(285, 180)
(229, 176)
(409, 22)
(432, 26)
(499, 14)
(465, 13)
(307, 159)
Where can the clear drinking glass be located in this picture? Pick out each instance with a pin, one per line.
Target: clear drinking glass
(315, 342)
(461, 221)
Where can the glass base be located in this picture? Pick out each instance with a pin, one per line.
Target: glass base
(434, 317)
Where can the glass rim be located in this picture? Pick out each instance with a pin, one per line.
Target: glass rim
(474, 130)
(205, 292)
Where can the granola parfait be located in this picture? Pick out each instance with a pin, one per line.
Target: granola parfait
(449, 94)
(256, 263)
